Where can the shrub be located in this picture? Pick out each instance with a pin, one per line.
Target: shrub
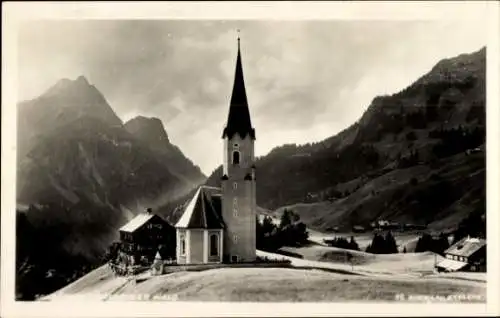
(265, 259)
(112, 252)
(342, 242)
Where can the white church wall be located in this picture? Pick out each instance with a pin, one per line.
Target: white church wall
(196, 246)
(181, 258)
(205, 246)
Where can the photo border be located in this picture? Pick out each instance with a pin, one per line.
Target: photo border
(15, 13)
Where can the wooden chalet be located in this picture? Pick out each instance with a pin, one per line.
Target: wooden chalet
(145, 236)
(468, 254)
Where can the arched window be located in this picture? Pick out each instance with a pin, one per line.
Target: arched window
(214, 245)
(236, 157)
(183, 246)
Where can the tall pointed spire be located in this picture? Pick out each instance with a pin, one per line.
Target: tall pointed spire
(238, 120)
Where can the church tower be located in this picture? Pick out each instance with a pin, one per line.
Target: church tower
(238, 179)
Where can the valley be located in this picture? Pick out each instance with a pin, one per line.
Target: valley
(416, 156)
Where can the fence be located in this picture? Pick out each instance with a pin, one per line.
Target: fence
(127, 270)
(171, 266)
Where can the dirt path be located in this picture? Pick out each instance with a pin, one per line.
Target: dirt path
(379, 271)
(337, 267)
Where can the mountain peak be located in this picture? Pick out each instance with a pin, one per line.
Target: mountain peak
(457, 68)
(149, 128)
(151, 132)
(82, 79)
(66, 86)
(65, 101)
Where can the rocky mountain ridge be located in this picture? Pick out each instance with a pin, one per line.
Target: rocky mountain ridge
(81, 174)
(418, 142)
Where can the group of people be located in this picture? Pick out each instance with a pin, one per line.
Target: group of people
(126, 265)
(124, 270)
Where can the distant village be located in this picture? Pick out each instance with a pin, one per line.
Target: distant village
(381, 225)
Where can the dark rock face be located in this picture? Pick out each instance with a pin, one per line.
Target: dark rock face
(148, 129)
(152, 132)
(73, 146)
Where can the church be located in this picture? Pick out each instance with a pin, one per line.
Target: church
(218, 225)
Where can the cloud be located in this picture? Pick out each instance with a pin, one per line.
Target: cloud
(306, 80)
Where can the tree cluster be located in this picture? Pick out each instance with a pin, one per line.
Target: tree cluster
(474, 225)
(411, 136)
(477, 112)
(43, 265)
(316, 173)
(416, 120)
(290, 232)
(456, 140)
(409, 161)
(427, 243)
(383, 244)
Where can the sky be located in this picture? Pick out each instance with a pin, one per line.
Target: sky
(305, 80)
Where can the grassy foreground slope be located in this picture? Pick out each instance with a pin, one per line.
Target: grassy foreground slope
(266, 284)
(308, 282)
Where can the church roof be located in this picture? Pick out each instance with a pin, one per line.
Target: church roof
(238, 120)
(203, 211)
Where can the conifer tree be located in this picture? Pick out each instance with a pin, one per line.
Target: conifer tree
(353, 245)
(286, 219)
(390, 244)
